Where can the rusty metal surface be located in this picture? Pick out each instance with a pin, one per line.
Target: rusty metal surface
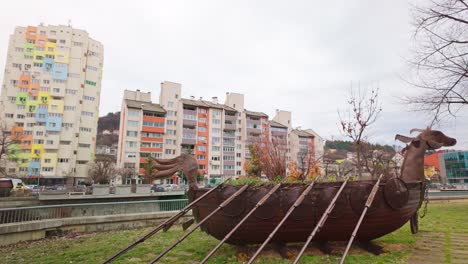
(396, 193)
(382, 218)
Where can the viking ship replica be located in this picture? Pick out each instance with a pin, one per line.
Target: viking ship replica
(282, 213)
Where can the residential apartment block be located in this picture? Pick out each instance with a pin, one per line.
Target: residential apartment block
(142, 131)
(50, 100)
(217, 134)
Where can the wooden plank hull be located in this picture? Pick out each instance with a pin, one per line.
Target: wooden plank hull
(383, 217)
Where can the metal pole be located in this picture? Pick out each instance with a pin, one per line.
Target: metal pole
(322, 220)
(260, 203)
(368, 204)
(221, 206)
(291, 209)
(162, 225)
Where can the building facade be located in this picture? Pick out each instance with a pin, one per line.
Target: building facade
(50, 100)
(454, 167)
(142, 131)
(218, 135)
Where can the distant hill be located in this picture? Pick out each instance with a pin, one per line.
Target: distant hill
(109, 122)
(342, 145)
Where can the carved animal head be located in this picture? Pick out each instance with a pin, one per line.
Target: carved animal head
(428, 139)
(185, 163)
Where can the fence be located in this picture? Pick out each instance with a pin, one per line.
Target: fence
(36, 213)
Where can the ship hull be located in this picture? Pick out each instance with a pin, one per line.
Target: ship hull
(390, 211)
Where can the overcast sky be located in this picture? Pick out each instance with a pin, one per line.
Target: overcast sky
(300, 56)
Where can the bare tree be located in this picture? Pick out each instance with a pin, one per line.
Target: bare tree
(272, 157)
(8, 152)
(102, 170)
(364, 109)
(440, 57)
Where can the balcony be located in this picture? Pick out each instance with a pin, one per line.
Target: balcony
(230, 118)
(229, 135)
(189, 123)
(189, 141)
(254, 131)
(190, 112)
(228, 126)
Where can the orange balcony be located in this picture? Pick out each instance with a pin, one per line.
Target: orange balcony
(152, 139)
(154, 119)
(151, 150)
(152, 129)
(31, 33)
(41, 41)
(24, 81)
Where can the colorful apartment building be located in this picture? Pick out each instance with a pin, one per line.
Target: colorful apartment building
(142, 130)
(218, 135)
(50, 101)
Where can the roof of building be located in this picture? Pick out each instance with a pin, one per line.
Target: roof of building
(204, 103)
(302, 133)
(146, 106)
(253, 113)
(276, 124)
(193, 102)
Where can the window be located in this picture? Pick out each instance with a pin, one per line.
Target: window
(132, 123)
(85, 113)
(19, 49)
(90, 83)
(63, 142)
(216, 130)
(69, 108)
(91, 68)
(56, 90)
(89, 98)
(47, 169)
(151, 135)
(156, 145)
(62, 160)
(83, 145)
(215, 167)
(201, 129)
(67, 125)
(132, 133)
(131, 144)
(216, 121)
(201, 157)
(67, 91)
(215, 148)
(215, 139)
(201, 148)
(49, 142)
(170, 122)
(47, 160)
(215, 158)
(85, 129)
(171, 132)
(133, 113)
(7, 115)
(238, 155)
(202, 120)
(238, 163)
(170, 104)
(202, 110)
(228, 149)
(171, 113)
(77, 44)
(228, 167)
(130, 154)
(202, 138)
(82, 162)
(62, 41)
(154, 124)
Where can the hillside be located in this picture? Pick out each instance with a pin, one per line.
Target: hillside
(109, 122)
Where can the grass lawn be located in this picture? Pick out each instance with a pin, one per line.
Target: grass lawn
(93, 248)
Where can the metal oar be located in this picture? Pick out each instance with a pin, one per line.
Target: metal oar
(368, 204)
(259, 203)
(322, 220)
(166, 223)
(296, 204)
(221, 206)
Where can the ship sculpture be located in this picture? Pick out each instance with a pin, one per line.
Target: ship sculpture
(281, 213)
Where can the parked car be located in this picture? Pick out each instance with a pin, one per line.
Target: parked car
(158, 188)
(171, 187)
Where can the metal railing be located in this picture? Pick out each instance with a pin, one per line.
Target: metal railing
(38, 213)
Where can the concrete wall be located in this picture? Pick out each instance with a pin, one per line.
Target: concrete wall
(25, 231)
